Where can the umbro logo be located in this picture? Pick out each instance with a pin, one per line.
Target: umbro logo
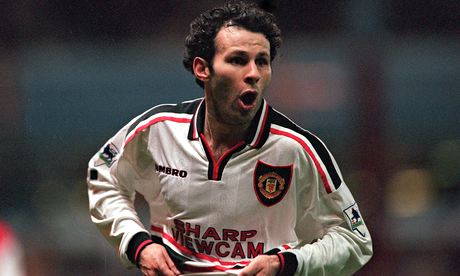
(171, 171)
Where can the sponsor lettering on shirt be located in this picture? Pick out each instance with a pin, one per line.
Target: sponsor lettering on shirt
(223, 243)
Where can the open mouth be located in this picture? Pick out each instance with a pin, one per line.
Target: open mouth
(248, 98)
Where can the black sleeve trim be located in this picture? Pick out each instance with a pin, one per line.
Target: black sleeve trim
(288, 264)
(272, 251)
(93, 174)
(136, 244)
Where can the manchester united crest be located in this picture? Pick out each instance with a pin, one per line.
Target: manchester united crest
(271, 183)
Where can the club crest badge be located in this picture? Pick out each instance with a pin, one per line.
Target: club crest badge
(354, 219)
(271, 183)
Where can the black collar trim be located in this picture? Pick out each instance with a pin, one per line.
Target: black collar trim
(258, 130)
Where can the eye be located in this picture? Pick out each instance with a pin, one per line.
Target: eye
(262, 61)
(237, 60)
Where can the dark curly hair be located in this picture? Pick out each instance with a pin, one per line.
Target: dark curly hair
(204, 28)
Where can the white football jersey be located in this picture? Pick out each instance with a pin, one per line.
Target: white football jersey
(279, 191)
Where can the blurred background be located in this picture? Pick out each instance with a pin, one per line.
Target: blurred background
(378, 81)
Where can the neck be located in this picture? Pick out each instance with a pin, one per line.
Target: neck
(222, 134)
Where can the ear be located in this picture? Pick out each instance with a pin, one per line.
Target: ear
(201, 69)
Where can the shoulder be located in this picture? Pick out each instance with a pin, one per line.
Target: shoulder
(313, 147)
(283, 126)
(180, 111)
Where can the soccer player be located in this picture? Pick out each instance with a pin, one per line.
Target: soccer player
(232, 185)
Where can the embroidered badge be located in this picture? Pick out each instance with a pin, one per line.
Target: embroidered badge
(271, 183)
(354, 219)
(108, 155)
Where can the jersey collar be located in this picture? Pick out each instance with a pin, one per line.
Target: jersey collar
(258, 130)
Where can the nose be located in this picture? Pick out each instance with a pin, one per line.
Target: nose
(252, 74)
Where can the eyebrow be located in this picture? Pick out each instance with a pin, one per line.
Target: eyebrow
(240, 52)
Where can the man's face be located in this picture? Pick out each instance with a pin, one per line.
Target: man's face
(241, 71)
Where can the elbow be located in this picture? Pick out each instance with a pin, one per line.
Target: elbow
(370, 252)
(367, 252)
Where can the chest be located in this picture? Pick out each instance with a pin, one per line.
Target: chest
(243, 181)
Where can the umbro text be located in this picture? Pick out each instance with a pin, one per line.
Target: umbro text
(171, 171)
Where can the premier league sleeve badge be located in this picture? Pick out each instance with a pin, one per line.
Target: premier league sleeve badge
(354, 219)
